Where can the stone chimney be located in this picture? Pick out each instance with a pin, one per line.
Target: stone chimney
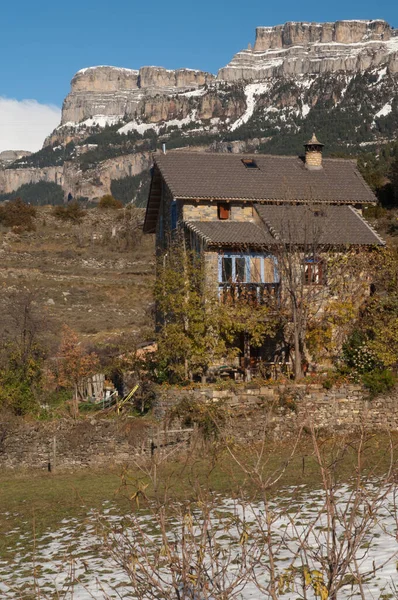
(313, 154)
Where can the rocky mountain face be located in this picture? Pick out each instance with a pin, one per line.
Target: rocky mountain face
(9, 156)
(338, 78)
(111, 91)
(313, 48)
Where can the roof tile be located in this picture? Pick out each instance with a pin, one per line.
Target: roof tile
(318, 224)
(278, 178)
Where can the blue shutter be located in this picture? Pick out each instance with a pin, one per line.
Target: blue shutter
(173, 215)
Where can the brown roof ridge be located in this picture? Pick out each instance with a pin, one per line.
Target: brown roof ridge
(176, 152)
(193, 225)
(372, 229)
(267, 224)
(362, 180)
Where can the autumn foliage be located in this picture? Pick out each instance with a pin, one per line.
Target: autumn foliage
(74, 365)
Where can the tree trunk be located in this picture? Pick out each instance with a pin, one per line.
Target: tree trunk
(75, 403)
(298, 373)
(246, 354)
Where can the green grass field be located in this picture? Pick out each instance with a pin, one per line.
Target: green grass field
(34, 504)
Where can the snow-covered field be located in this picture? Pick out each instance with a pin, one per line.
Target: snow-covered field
(73, 563)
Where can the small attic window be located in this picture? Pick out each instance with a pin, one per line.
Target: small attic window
(250, 163)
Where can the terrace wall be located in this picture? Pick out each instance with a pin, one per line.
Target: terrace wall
(252, 412)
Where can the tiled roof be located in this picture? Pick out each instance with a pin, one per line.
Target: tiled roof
(277, 178)
(327, 225)
(231, 233)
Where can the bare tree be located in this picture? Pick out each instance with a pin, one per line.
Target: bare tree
(302, 265)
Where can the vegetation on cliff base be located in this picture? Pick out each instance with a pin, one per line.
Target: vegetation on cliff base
(42, 193)
(49, 156)
(132, 189)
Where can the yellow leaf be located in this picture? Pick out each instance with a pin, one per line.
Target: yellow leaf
(243, 538)
(307, 576)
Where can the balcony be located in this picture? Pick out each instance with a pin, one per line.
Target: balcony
(250, 293)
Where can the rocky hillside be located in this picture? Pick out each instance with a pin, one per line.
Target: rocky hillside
(338, 78)
(94, 275)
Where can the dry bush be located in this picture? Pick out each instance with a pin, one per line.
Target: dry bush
(108, 201)
(18, 215)
(70, 212)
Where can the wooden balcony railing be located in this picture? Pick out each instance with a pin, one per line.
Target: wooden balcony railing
(252, 293)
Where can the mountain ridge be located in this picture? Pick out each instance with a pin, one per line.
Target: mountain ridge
(338, 78)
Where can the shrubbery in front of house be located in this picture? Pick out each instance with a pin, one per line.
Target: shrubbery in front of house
(379, 381)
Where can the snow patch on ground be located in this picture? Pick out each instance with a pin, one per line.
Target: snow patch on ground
(383, 112)
(252, 90)
(101, 121)
(143, 127)
(194, 93)
(76, 551)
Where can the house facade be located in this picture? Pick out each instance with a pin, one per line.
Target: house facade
(240, 211)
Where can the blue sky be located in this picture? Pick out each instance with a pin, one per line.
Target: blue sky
(44, 42)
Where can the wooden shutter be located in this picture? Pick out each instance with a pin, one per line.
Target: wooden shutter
(223, 211)
(269, 270)
(255, 269)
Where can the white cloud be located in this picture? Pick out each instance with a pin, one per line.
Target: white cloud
(25, 123)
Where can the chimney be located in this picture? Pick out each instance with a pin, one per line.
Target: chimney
(313, 154)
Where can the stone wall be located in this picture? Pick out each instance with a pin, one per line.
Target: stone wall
(208, 211)
(93, 443)
(276, 411)
(282, 410)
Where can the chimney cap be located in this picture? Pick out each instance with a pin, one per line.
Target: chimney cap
(314, 142)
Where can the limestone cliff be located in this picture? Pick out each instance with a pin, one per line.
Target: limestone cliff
(116, 92)
(92, 183)
(103, 95)
(313, 48)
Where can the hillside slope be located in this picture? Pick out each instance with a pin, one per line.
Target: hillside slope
(95, 276)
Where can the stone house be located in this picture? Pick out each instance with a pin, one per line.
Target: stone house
(236, 210)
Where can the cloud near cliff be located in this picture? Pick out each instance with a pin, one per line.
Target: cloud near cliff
(25, 123)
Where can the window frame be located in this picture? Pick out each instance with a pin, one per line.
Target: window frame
(248, 276)
(250, 163)
(314, 271)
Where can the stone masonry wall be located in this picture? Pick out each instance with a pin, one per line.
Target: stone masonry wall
(207, 211)
(253, 411)
(282, 410)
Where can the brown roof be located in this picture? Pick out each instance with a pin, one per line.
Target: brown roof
(277, 178)
(231, 233)
(318, 224)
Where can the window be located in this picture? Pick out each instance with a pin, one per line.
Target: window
(250, 163)
(247, 268)
(226, 269)
(240, 269)
(313, 271)
(224, 211)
